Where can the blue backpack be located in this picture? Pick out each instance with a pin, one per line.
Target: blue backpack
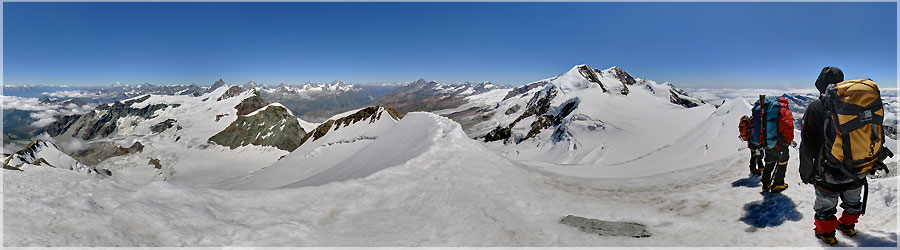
(767, 125)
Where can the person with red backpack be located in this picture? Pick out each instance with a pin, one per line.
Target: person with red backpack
(772, 127)
(756, 152)
(845, 121)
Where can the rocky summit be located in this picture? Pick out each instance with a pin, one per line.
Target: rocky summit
(273, 125)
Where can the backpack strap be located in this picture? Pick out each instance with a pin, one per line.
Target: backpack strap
(845, 145)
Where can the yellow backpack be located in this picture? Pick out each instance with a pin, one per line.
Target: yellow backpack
(854, 134)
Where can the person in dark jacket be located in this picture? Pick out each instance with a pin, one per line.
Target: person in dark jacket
(830, 184)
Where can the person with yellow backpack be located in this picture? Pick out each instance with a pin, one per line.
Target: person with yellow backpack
(756, 151)
(842, 142)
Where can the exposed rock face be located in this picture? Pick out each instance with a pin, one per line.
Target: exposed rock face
(102, 120)
(162, 126)
(625, 78)
(61, 125)
(231, 92)
(537, 106)
(524, 89)
(591, 75)
(100, 151)
(251, 104)
(218, 84)
(678, 97)
(371, 114)
(44, 153)
(273, 126)
(155, 163)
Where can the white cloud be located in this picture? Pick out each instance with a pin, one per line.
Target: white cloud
(43, 122)
(44, 112)
(69, 93)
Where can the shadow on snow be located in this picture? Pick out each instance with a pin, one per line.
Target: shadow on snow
(772, 211)
(863, 239)
(751, 181)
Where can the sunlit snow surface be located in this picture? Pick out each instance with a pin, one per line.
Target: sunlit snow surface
(421, 181)
(452, 191)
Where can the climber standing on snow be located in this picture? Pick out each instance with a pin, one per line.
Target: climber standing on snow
(756, 151)
(845, 121)
(772, 128)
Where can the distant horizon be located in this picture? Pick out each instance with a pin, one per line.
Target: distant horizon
(692, 45)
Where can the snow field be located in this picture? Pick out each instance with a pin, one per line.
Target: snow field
(455, 193)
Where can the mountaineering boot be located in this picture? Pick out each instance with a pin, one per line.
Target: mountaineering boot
(848, 230)
(825, 229)
(779, 188)
(827, 238)
(847, 223)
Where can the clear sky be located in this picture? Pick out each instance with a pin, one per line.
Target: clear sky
(732, 45)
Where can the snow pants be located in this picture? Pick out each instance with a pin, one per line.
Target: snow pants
(756, 158)
(826, 207)
(776, 164)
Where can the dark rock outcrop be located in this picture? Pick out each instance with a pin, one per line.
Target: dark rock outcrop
(523, 89)
(60, 126)
(102, 120)
(251, 104)
(678, 97)
(538, 107)
(231, 92)
(162, 126)
(370, 113)
(218, 84)
(591, 75)
(100, 151)
(609, 228)
(274, 126)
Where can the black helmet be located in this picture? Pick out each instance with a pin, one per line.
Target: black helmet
(830, 75)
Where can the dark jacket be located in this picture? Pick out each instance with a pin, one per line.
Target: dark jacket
(812, 139)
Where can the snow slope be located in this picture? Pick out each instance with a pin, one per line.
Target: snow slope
(587, 121)
(177, 138)
(46, 154)
(332, 157)
(454, 193)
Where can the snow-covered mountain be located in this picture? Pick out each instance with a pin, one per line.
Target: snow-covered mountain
(328, 152)
(185, 137)
(45, 154)
(316, 102)
(423, 95)
(586, 117)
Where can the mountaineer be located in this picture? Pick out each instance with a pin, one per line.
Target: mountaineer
(842, 142)
(772, 128)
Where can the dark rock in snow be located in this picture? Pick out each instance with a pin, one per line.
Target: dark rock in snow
(162, 126)
(274, 126)
(610, 228)
(250, 104)
(231, 92)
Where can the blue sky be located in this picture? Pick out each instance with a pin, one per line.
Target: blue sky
(733, 45)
